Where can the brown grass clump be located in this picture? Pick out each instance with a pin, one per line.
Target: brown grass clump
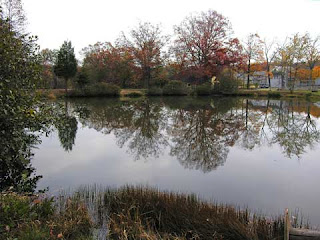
(143, 213)
(51, 96)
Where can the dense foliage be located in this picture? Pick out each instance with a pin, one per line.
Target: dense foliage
(204, 45)
(21, 114)
(176, 88)
(96, 90)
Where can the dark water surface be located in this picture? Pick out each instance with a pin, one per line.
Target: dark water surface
(264, 154)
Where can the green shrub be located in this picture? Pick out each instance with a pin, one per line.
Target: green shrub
(227, 82)
(176, 88)
(32, 218)
(133, 94)
(82, 79)
(308, 95)
(161, 82)
(203, 89)
(154, 91)
(274, 94)
(97, 90)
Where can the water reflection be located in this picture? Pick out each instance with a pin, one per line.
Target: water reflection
(199, 132)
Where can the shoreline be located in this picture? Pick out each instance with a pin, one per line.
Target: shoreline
(131, 212)
(136, 93)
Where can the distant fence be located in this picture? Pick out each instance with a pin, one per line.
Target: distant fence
(291, 233)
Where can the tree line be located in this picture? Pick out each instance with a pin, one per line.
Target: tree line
(202, 47)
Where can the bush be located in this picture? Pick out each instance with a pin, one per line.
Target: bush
(30, 217)
(155, 91)
(133, 94)
(227, 82)
(176, 88)
(274, 94)
(97, 90)
(203, 89)
(308, 95)
(82, 79)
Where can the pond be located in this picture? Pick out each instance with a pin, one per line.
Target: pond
(256, 153)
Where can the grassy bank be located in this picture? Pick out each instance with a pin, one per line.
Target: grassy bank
(129, 213)
(278, 93)
(60, 93)
(129, 93)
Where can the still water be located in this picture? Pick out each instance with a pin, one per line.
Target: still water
(256, 153)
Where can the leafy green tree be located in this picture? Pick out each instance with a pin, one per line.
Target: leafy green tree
(66, 63)
(21, 114)
(82, 79)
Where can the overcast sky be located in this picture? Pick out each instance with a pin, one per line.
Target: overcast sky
(86, 22)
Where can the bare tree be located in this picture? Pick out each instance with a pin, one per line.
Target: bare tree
(298, 45)
(12, 10)
(269, 54)
(252, 47)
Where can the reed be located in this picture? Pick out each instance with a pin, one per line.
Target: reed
(148, 213)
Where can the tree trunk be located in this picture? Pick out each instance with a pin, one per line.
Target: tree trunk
(268, 69)
(310, 79)
(290, 78)
(247, 110)
(248, 79)
(147, 77)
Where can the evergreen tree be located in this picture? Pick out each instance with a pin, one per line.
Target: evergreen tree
(66, 63)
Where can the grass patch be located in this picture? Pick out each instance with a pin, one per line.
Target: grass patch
(132, 93)
(51, 94)
(147, 213)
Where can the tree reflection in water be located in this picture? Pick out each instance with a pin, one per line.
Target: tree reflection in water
(67, 127)
(199, 132)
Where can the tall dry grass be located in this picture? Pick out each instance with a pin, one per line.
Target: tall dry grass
(147, 213)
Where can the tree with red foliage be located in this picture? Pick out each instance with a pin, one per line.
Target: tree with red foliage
(105, 62)
(204, 46)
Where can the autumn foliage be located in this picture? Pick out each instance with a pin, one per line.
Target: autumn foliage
(204, 46)
(304, 73)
